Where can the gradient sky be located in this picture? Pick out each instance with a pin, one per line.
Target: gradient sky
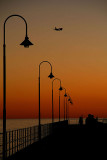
(78, 55)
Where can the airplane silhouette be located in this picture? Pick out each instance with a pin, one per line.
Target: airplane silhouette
(58, 29)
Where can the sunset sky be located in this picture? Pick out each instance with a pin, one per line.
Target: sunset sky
(78, 55)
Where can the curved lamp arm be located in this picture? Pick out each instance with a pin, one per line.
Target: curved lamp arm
(46, 62)
(65, 92)
(14, 15)
(56, 79)
(68, 96)
(69, 99)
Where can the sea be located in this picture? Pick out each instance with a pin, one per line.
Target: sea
(13, 124)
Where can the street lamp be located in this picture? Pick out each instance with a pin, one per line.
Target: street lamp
(25, 43)
(50, 76)
(65, 95)
(67, 100)
(67, 107)
(60, 89)
(70, 101)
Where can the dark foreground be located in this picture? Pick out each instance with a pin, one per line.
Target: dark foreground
(70, 142)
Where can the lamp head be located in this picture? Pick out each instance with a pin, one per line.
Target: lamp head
(65, 95)
(71, 102)
(26, 43)
(60, 88)
(69, 99)
(51, 75)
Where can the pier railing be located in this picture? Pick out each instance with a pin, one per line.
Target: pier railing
(19, 139)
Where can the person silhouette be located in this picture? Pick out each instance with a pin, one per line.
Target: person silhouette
(80, 120)
(91, 121)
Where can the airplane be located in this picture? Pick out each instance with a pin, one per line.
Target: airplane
(58, 29)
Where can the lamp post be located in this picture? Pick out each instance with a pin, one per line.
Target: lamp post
(71, 101)
(60, 89)
(65, 95)
(50, 76)
(25, 43)
(67, 107)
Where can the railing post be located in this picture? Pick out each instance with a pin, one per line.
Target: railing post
(43, 131)
(39, 132)
(17, 140)
(9, 143)
(6, 145)
(34, 135)
(46, 130)
(30, 135)
(21, 139)
(25, 137)
(12, 142)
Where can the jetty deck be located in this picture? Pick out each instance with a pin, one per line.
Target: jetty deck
(67, 142)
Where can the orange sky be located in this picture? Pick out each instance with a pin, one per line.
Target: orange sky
(78, 55)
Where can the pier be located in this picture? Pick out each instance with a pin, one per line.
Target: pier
(59, 139)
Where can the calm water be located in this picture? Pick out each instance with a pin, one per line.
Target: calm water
(13, 124)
